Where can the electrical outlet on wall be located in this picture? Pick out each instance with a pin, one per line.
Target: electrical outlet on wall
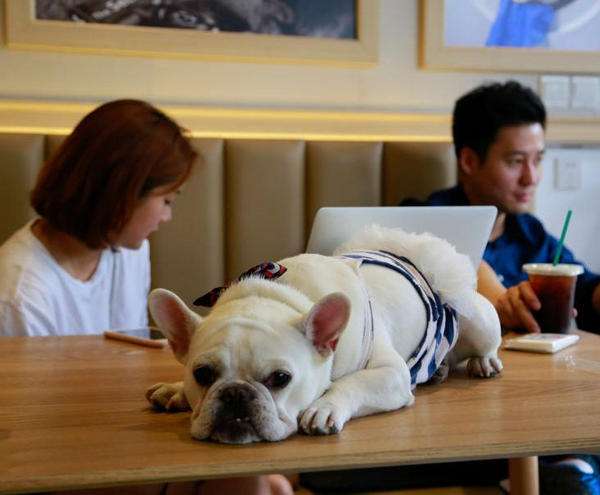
(567, 174)
(556, 91)
(585, 92)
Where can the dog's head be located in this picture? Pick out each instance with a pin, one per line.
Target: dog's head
(254, 363)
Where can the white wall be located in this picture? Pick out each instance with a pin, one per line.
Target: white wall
(583, 235)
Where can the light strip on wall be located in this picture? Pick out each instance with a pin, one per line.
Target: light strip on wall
(209, 122)
(243, 123)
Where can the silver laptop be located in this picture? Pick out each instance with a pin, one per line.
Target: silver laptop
(467, 228)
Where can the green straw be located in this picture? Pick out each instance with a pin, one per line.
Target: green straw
(562, 237)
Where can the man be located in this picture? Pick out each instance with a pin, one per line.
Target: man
(498, 132)
(498, 135)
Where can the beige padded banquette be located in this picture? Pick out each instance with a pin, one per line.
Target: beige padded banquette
(250, 200)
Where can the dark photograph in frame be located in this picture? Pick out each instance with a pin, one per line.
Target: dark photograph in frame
(308, 18)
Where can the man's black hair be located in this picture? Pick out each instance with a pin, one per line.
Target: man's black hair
(482, 112)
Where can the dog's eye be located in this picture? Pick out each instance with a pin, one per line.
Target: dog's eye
(205, 376)
(278, 379)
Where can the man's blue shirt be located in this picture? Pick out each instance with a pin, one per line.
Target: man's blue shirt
(525, 240)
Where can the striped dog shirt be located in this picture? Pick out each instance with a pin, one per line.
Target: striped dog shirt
(441, 331)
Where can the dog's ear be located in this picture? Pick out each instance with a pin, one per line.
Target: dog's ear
(326, 321)
(175, 320)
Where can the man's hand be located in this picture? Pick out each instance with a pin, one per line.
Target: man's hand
(515, 305)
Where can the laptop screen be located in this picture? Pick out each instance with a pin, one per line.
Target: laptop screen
(467, 228)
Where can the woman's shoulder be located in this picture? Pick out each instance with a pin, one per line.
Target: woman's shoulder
(23, 248)
(26, 307)
(26, 298)
(24, 266)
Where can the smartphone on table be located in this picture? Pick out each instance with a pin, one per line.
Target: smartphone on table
(145, 336)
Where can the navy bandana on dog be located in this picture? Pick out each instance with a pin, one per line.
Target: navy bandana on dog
(267, 270)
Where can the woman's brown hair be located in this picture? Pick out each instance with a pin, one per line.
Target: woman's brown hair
(116, 155)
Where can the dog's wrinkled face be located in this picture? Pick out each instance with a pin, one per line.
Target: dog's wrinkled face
(247, 381)
(246, 378)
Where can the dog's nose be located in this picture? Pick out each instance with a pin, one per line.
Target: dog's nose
(236, 395)
(236, 413)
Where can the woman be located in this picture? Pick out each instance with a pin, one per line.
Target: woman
(83, 265)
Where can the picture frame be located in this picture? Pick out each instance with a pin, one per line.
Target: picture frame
(24, 31)
(437, 54)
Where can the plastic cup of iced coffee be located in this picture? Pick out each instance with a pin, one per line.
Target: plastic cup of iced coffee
(554, 285)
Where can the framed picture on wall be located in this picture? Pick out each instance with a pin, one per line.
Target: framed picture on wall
(511, 35)
(294, 31)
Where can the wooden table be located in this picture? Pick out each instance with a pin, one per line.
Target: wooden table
(73, 415)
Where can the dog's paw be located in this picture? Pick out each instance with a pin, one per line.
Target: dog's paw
(322, 418)
(484, 367)
(167, 397)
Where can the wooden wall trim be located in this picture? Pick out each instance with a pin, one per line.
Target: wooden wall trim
(39, 117)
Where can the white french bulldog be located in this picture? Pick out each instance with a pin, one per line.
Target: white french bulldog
(333, 338)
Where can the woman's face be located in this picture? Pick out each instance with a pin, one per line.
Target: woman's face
(151, 211)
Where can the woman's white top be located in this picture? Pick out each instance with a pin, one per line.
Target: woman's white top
(38, 297)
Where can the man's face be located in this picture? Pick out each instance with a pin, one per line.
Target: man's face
(511, 171)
